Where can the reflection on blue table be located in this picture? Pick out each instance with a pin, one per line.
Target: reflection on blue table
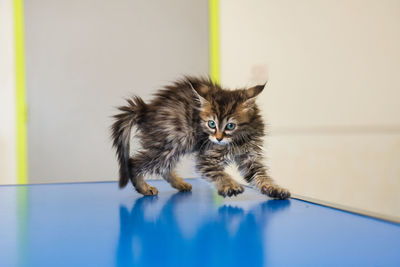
(228, 236)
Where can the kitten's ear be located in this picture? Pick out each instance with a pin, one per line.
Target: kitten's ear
(255, 91)
(201, 99)
(251, 94)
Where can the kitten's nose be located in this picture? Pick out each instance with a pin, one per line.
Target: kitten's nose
(219, 136)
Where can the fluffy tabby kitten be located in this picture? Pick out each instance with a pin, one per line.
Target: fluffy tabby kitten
(194, 115)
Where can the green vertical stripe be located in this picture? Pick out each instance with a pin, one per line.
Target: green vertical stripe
(214, 40)
(21, 110)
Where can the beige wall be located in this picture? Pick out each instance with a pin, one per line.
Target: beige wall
(333, 97)
(7, 90)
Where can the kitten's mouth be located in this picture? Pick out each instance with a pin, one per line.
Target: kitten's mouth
(221, 142)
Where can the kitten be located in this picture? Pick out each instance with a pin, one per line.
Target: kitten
(194, 115)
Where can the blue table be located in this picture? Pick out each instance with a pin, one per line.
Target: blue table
(96, 224)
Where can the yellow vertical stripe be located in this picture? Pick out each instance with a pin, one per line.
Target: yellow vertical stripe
(21, 120)
(214, 40)
(21, 110)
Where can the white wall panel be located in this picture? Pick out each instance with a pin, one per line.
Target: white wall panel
(7, 95)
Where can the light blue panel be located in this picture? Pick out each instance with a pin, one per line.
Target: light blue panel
(83, 57)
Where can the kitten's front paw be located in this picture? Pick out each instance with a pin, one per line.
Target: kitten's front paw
(229, 188)
(182, 186)
(275, 191)
(147, 190)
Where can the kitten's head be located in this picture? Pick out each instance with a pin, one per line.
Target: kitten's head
(229, 115)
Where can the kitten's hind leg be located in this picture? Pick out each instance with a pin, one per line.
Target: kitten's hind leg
(142, 187)
(138, 169)
(177, 182)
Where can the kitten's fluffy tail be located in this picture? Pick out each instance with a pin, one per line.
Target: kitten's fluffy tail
(121, 134)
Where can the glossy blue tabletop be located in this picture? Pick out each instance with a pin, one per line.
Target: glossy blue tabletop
(96, 224)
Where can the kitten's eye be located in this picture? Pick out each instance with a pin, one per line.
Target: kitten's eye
(211, 124)
(230, 126)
